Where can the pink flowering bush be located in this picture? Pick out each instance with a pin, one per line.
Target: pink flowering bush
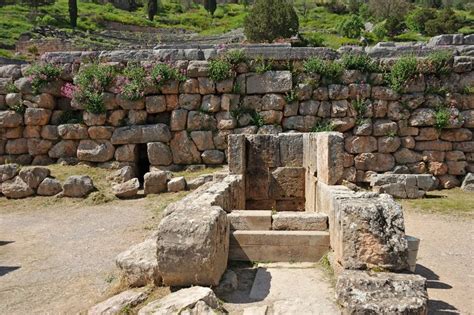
(132, 82)
(67, 90)
(91, 82)
(164, 72)
(40, 74)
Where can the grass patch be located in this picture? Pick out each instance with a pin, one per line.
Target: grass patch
(453, 201)
(158, 203)
(189, 175)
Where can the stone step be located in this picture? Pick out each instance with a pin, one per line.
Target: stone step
(277, 246)
(250, 219)
(266, 220)
(299, 221)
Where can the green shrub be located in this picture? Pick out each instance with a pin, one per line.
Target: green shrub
(329, 70)
(40, 74)
(394, 26)
(442, 116)
(438, 62)
(291, 96)
(417, 19)
(271, 19)
(135, 82)
(351, 26)
(262, 65)
(255, 118)
(313, 40)
(336, 6)
(447, 22)
(402, 71)
(19, 108)
(162, 73)
(70, 117)
(360, 62)
(91, 82)
(220, 69)
(380, 31)
(323, 125)
(236, 56)
(360, 106)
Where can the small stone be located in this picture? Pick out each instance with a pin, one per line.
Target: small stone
(213, 157)
(78, 186)
(33, 176)
(49, 187)
(127, 189)
(155, 182)
(177, 184)
(468, 182)
(8, 171)
(16, 188)
(37, 116)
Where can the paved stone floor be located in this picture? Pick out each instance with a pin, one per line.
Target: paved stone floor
(285, 288)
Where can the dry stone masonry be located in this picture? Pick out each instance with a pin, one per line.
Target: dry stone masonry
(188, 122)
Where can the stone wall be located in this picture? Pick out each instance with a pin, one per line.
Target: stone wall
(188, 122)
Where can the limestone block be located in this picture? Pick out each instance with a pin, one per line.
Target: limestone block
(159, 153)
(155, 182)
(206, 86)
(184, 150)
(291, 149)
(361, 292)
(263, 151)
(201, 121)
(100, 132)
(49, 187)
(178, 119)
(237, 154)
(126, 153)
(211, 103)
(377, 162)
(127, 189)
(38, 146)
(91, 119)
(117, 303)
(213, 157)
(63, 149)
(10, 119)
(250, 219)
(309, 107)
(468, 183)
(225, 86)
(95, 150)
(295, 221)
(189, 101)
(17, 146)
(269, 82)
(139, 265)
(33, 176)
(177, 184)
(8, 171)
(193, 246)
(73, 131)
(360, 144)
(78, 186)
(16, 188)
(141, 134)
(155, 104)
(329, 165)
(128, 104)
(287, 183)
(203, 140)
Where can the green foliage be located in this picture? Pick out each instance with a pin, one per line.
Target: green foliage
(291, 96)
(162, 73)
(262, 65)
(438, 62)
(70, 117)
(442, 116)
(336, 6)
(351, 27)
(220, 69)
(11, 88)
(313, 40)
(255, 118)
(447, 22)
(402, 71)
(323, 125)
(360, 62)
(394, 25)
(468, 90)
(134, 85)
(19, 108)
(360, 106)
(271, 19)
(236, 56)
(40, 74)
(91, 82)
(417, 19)
(380, 31)
(329, 70)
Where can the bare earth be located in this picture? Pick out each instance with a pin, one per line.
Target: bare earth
(60, 259)
(446, 259)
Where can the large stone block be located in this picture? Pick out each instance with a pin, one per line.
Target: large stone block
(16, 188)
(193, 246)
(360, 292)
(8, 171)
(95, 150)
(10, 119)
(269, 82)
(33, 176)
(329, 163)
(159, 153)
(141, 134)
(287, 183)
(155, 182)
(184, 150)
(237, 154)
(263, 151)
(73, 131)
(62, 149)
(291, 149)
(77, 186)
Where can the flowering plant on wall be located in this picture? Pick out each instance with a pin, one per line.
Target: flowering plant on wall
(164, 72)
(40, 74)
(131, 82)
(91, 82)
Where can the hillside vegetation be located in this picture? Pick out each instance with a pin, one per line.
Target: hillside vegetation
(319, 23)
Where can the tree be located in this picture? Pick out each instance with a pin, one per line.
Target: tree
(210, 6)
(351, 26)
(271, 19)
(152, 9)
(384, 9)
(417, 19)
(73, 13)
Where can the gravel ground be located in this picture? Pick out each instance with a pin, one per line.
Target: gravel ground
(446, 259)
(60, 259)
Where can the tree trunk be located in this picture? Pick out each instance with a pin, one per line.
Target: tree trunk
(73, 13)
(152, 9)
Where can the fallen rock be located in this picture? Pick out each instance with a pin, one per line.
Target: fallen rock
(229, 283)
(8, 171)
(177, 184)
(78, 186)
(33, 176)
(194, 300)
(468, 182)
(119, 302)
(49, 187)
(361, 292)
(199, 181)
(128, 189)
(155, 182)
(16, 188)
(139, 265)
(122, 175)
(200, 255)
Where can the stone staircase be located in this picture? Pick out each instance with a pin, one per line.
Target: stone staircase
(260, 235)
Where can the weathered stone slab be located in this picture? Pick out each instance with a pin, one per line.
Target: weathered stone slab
(16, 188)
(269, 82)
(33, 176)
(127, 189)
(329, 163)
(287, 183)
(8, 171)
(95, 150)
(155, 182)
(295, 221)
(291, 149)
(237, 154)
(77, 186)
(141, 134)
(49, 187)
(250, 219)
(194, 300)
(193, 245)
(118, 303)
(360, 292)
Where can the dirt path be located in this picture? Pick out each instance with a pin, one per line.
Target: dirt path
(446, 259)
(60, 259)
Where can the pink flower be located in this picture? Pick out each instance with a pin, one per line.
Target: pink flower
(67, 90)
